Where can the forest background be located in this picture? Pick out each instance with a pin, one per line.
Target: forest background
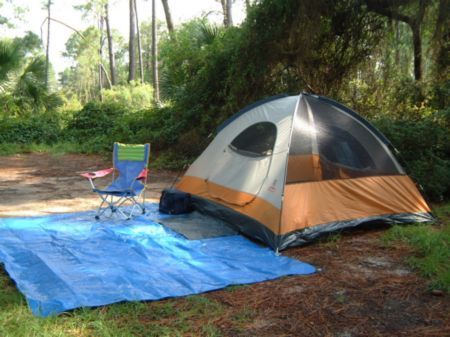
(172, 83)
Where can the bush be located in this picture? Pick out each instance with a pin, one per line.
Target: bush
(94, 126)
(134, 96)
(171, 161)
(35, 129)
(98, 125)
(424, 146)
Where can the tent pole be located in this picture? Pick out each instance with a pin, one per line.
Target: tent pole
(286, 167)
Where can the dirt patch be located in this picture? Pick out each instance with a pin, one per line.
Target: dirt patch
(363, 288)
(41, 184)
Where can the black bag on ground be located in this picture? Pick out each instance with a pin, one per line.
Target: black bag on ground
(175, 202)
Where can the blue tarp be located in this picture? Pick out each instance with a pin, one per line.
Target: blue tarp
(67, 261)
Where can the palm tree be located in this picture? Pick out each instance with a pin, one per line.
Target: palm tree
(25, 80)
(10, 61)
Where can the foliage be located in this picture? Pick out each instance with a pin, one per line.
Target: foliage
(210, 72)
(82, 78)
(432, 246)
(23, 87)
(296, 51)
(134, 95)
(57, 149)
(98, 125)
(34, 129)
(95, 126)
(171, 160)
(415, 117)
(424, 146)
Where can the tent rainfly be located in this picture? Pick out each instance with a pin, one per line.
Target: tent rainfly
(287, 169)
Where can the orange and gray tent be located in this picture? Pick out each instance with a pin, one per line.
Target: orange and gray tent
(290, 168)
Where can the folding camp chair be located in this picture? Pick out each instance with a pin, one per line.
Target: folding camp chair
(129, 179)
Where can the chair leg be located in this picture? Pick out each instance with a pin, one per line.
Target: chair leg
(101, 210)
(116, 206)
(143, 201)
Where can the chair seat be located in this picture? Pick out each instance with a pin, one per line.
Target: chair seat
(112, 190)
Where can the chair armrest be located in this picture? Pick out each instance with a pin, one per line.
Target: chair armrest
(97, 174)
(143, 174)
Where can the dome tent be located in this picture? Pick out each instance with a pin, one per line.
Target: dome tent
(290, 168)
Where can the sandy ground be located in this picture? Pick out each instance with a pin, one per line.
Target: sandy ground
(363, 288)
(40, 184)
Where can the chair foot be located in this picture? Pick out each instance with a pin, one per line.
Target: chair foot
(143, 211)
(97, 217)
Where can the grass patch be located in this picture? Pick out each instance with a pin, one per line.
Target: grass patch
(193, 316)
(331, 240)
(243, 317)
(236, 287)
(8, 149)
(432, 247)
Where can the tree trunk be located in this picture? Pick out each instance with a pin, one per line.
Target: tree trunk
(141, 65)
(397, 40)
(168, 17)
(226, 8)
(155, 56)
(131, 48)
(440, 41)
(229, 14)
(414, 22)
(100, 55)
(417, 47)
(224, 11)
(112, 61)
(47, 52)
(147, 51)
(417, 40)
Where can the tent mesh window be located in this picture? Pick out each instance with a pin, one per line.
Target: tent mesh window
(339, 146)
(256, 141)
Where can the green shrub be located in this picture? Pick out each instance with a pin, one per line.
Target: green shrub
(60, 148)
(35, 129)
(134, 95)
(171, 160)
(93, 120)
(424, 146)
(94, 126)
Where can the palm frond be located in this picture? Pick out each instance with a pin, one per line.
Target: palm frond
(10, 58)
(209, 32)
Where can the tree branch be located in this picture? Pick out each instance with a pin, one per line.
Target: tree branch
(82, 36)
(374, 6)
